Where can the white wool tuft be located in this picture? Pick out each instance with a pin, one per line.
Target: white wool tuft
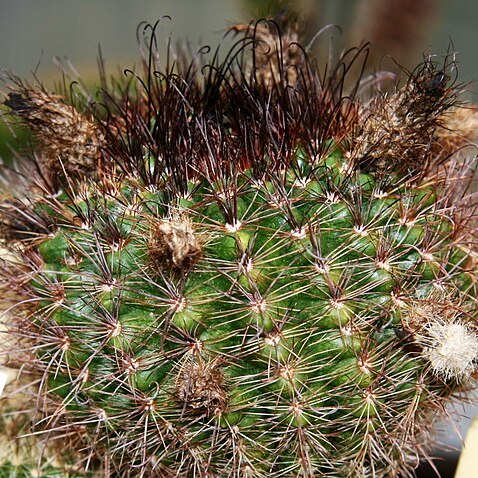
(451, 348)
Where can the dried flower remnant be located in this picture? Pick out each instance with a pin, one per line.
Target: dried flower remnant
(68, 140)
(400, 129)
(174, 244)
(201, 386)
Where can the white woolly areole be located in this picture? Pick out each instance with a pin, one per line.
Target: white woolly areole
(451, 349)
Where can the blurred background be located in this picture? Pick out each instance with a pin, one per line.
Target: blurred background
(33, 32)
(36, 36)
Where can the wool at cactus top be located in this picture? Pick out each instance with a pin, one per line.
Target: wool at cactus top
(239, 270)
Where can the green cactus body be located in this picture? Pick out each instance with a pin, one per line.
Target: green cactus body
(279, 335)
(9, 470)
(247, 323)
(27, 457)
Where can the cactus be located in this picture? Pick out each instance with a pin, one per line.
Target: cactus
(27, 457)
(244, 267)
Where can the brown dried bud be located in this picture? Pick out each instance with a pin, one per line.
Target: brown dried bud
(201, 387)
(68, 140)
(459, 128)
(174, 245)
(276, 54)
(400, 130)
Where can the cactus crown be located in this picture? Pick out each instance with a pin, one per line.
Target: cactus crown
(239, 268)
